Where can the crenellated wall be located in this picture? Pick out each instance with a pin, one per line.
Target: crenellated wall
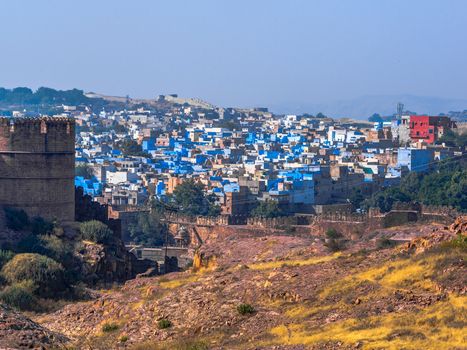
(351, 225)
(37, 162)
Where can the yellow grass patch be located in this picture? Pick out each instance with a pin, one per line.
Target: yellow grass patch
(437, 327)
(175, 283)
(210, 265)
(295, 262)
(399, 274)
(138, 305)
(302, 311)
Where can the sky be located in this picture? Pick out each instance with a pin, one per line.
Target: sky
(238, 52)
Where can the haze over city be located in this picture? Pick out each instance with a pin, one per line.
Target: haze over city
(340, 57)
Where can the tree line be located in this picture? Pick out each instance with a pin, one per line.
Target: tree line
(445, 186)
(43, 95)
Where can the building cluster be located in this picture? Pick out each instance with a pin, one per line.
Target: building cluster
(244, 156)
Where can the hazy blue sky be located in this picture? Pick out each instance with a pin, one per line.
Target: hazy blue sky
(238, 52)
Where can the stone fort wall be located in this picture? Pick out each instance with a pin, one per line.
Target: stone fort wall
(37, 162)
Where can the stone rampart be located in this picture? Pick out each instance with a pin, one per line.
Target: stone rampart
(37, 162)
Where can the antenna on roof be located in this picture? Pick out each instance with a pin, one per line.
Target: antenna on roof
(127, 101)
(400, 110)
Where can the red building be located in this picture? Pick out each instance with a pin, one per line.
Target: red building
(429, 128)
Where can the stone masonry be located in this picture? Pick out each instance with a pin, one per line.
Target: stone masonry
(37, 166)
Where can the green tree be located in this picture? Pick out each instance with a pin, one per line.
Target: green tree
(148, 229)
(130, 148)
(410, 184)
(453, 139)
(190, 199)
(356, 197)
(95, 231)
(446, 185)
(119, 128)
(21, 95)
(267, 209)
(384, 200)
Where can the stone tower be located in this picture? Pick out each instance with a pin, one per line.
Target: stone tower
(37, 166)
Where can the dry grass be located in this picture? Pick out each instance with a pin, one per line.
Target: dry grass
(440, 326)
(294, 262)
(176, 283)
(413, 274)
(172, 345)
(437, 327)
(304, 311)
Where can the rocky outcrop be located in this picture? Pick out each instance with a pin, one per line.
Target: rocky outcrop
(420, 244)
(426, 241)
(200, 261)
(110, 263)
(459, 226)
(19, 332)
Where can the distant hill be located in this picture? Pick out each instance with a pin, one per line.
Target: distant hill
(153, 102)
(365, 106)
(359, 108)
(46, 100)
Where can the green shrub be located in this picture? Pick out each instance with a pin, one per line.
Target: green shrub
(245, 309)
(5, 256)
(460, 242)
(164, 323)
(333, 234)
(362, 252)
(123, 339)
(45, 273)
(334, 245)
(16, 219)
(39, 226)
(383, 243)
(288, 228)
(19, 295)
(56, 248)
(110, 327)
(95, 231)
(31, 244)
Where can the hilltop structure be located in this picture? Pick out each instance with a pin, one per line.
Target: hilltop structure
(37, 157)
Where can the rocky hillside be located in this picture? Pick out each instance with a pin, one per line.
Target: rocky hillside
(19, 332)
(284, 292)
